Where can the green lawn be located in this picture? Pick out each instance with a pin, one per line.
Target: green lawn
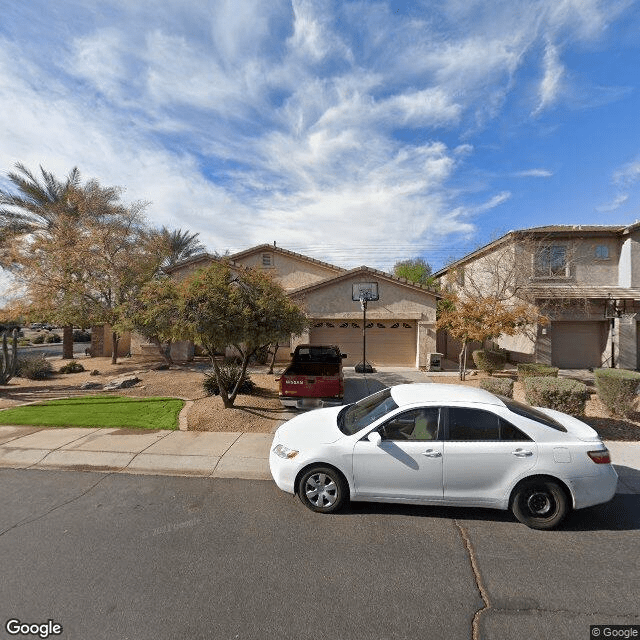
(98, 411)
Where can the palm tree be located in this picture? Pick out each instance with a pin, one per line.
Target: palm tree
(181, 245)
(37, 205)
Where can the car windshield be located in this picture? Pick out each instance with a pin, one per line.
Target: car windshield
(359, 415)
(533, 414)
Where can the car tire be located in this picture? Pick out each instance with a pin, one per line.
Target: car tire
(540, 503)
(322, 489)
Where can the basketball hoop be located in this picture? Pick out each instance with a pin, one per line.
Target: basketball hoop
(364, 292)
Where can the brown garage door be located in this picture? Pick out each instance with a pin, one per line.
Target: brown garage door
(577, 345)
(390, 343)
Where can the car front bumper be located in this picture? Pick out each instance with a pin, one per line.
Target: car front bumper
(283, 470)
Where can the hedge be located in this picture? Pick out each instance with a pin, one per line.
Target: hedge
(535, 369)
(500, 386)
(617, 390)
(561, 394)
(489, 361)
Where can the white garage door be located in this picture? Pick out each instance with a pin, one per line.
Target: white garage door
(390, 343)
(577, 345)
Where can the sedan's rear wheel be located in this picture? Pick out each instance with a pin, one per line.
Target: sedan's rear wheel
(322, 489)
(540, 503)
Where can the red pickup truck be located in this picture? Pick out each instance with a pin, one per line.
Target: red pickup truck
(314, 377)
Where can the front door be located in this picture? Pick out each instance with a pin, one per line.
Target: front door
(408, 462)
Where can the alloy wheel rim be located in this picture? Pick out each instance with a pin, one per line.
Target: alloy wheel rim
(321, 491)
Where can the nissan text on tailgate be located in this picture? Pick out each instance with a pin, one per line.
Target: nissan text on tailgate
(313, 378)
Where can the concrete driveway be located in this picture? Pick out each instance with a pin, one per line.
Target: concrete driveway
(360, 385)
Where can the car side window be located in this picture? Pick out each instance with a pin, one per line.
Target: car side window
(417, 424)
(473, 424)
(509, 432)
(476, 424)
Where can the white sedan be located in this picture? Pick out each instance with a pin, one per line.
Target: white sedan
(443, 444)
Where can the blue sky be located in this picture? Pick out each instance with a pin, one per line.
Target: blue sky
(354, 132)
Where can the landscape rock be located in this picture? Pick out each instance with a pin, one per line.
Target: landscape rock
(121, 383)
(95, 372)
(91, 385)
(162, 366)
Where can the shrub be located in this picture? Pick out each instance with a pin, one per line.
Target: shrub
(229, 372)
(34, 368)
(500, 386)
(617, 389)
(489, 361)
(71, 367)
(23, 342)
(52, 337)
(81, 336)
(535, 369)
(560, 394)
(39, 339)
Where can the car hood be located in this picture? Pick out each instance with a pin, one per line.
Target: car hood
(314, 427)
(575, 427)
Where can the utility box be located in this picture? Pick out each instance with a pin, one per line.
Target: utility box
(434, 362)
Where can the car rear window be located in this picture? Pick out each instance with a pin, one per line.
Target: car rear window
(526, 411)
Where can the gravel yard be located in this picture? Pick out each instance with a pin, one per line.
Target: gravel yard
(259, 413)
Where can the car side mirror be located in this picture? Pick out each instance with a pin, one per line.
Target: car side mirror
(375, 438)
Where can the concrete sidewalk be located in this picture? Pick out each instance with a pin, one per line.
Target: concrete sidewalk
(176, 453)
(187, 453)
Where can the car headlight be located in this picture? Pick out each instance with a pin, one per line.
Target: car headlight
(285, 452)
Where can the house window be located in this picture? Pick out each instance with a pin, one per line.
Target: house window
(551, 262)
(267, 260)
(460, 276)
(602, 252)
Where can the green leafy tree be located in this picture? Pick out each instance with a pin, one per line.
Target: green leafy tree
(34, 210)
(154, 312)
(245, 309)
(416, 270)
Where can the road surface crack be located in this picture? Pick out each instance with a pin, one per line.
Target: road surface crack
(30, 519)
(464, 534)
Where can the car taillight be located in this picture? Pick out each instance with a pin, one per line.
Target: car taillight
(600, 457)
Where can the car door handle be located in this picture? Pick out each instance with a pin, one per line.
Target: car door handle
(522, 453)
(430, 453)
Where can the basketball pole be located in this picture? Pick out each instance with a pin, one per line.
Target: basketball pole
(363, 367)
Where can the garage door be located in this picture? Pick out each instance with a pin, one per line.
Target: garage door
(390, 343)
(577, 345)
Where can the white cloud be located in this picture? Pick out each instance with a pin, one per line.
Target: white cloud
(533, 173)
(244, 120)
(493, 202)
(628, 174)
(551, 83)
(616, 203)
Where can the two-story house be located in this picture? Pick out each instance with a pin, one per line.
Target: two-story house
(586, 281)
(400, 325)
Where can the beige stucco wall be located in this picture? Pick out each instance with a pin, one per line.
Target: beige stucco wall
(396, 301)
(289, 271)
(182, 273)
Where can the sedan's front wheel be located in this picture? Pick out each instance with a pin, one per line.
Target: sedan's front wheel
(540, 503)
(322, 489)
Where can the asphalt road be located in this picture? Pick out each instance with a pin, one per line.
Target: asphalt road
(134, 557)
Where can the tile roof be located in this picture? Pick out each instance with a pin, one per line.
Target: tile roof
(366, 270)
(293, 254)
